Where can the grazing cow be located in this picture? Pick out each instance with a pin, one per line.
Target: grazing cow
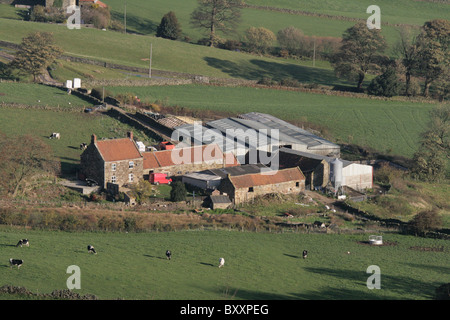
(221, 262)
(168, 254)
(305, 254)
(54, 135)
(15, 262)
(91, 249)
(23, 242)
(83, 146)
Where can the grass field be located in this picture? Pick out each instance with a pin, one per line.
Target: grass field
(74, 127)
(144, 19)
(268, 266)
(379, 124)
(39, 95)
(134, 50)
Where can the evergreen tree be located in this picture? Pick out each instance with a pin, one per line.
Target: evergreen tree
(169, 27)
(431, 160)
(178, 192)
(386, 84)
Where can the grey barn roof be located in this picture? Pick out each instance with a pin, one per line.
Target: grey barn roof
(345, 163)
(269, 131)
(295, 133)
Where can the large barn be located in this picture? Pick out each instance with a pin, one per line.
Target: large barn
(252, 136)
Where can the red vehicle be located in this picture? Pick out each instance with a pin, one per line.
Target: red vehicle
(159, 178)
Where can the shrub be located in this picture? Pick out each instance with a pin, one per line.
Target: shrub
(425, 221)
(259, 40)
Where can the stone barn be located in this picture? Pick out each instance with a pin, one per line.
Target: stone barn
(179, 161)
(244, 188)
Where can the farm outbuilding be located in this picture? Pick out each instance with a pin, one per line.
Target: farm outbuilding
(183, 160)
(321, 170)
(210, 179)
(246, 187)
(219, 202)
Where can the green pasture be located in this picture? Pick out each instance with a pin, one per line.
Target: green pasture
(258, 265)
(144, 19)
(384, 125)
(401, 11)
(39, 95)
(74, 127)
(167, 55)
(62, 70)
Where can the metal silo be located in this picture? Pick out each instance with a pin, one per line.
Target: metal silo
(336, 173)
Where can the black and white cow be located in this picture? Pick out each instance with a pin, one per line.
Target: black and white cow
(305, 254)
(15, 262)
(91, 249)
(23, 242)
(168, 254)
(221, 262)
(83, 146)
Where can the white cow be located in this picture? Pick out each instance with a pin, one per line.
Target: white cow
(221, 262)
(54, 135)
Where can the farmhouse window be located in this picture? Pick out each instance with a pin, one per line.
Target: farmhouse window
(130, 177)
(113, 167)
(113, 179)
(297, 184)
(250, 189)
(131, 164)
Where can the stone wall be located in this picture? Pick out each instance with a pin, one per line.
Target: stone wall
(243, 195)
(182, 169)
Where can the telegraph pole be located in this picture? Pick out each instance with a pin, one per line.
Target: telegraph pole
(125, 17)
(150, 67)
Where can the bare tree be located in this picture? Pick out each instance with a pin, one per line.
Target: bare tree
(216, 15)
(22, 160)
(406, 50)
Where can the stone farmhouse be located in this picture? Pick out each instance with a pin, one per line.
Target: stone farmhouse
(120, 161)
(117, 161)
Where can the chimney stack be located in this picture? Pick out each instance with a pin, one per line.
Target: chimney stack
(93, 139)
(130, 135)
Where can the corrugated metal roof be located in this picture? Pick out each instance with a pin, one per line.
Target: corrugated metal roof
(295, 133)
(237, 170)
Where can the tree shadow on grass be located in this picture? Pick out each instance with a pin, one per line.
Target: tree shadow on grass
(399, 285)
(136, 24)
(258, 69)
